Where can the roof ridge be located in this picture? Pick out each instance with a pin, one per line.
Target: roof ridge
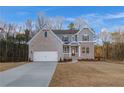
(70, 31)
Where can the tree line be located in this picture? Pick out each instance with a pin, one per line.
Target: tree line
(112, 47)
(14, 37)
(13, 42)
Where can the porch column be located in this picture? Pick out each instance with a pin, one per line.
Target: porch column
(70, 51)
(79, 51)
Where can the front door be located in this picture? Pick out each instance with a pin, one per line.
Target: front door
(73, 51)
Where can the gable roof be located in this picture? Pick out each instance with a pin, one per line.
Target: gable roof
(53, 32)
(41, 31)
(90, 29)
(72, 31)
(65, 31)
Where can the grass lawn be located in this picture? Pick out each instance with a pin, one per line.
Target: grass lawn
(8, 65)
(88, 74)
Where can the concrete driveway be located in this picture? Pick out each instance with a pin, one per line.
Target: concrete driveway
(35, 74)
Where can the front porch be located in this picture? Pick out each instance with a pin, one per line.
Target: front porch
(71, 51)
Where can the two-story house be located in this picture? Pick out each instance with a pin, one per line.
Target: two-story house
(55, 45)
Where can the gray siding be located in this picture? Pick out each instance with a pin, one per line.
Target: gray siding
(68, 35)
(54, 43)
(79, 35)
(89, 55)
(85, 31)
(42, 43)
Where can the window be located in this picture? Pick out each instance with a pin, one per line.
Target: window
(76, 49)
(83, 50)
(66, 49)
(65, 38)
(75, 37)
(87, 50)
(85, 37)
(45, 34)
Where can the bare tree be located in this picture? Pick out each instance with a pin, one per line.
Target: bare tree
(106, 38)
(118, 35)
(1, 25)
(8, 30)
(57, 22)
(41, 21)
(2, 31)
(44, 22)
(105, 35)
(50, 23)
(80, 23)
(29, 26)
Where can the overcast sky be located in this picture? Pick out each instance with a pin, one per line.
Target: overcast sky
(97, 17)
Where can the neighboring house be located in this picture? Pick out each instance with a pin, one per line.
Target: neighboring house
(55, 45)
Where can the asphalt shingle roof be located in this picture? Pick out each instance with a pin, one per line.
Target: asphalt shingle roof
(65, 31)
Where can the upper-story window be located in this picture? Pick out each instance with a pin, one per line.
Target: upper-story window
(45, 34)
(65, 38)
(75, 37)
(85, 37)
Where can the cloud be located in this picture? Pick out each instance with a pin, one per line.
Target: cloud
(100, 21)
(91, 15)
(69, 19)
(94, 20)
(87, 16)
(105, 16)
(22, 13)
(114, 16)
(49, 9)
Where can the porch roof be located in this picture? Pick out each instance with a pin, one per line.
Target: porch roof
(74, 43)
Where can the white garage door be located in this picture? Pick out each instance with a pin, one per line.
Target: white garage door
(45, 56)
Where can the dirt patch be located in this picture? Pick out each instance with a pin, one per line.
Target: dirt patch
(88, 74)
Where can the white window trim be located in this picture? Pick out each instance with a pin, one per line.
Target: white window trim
(87, 51)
